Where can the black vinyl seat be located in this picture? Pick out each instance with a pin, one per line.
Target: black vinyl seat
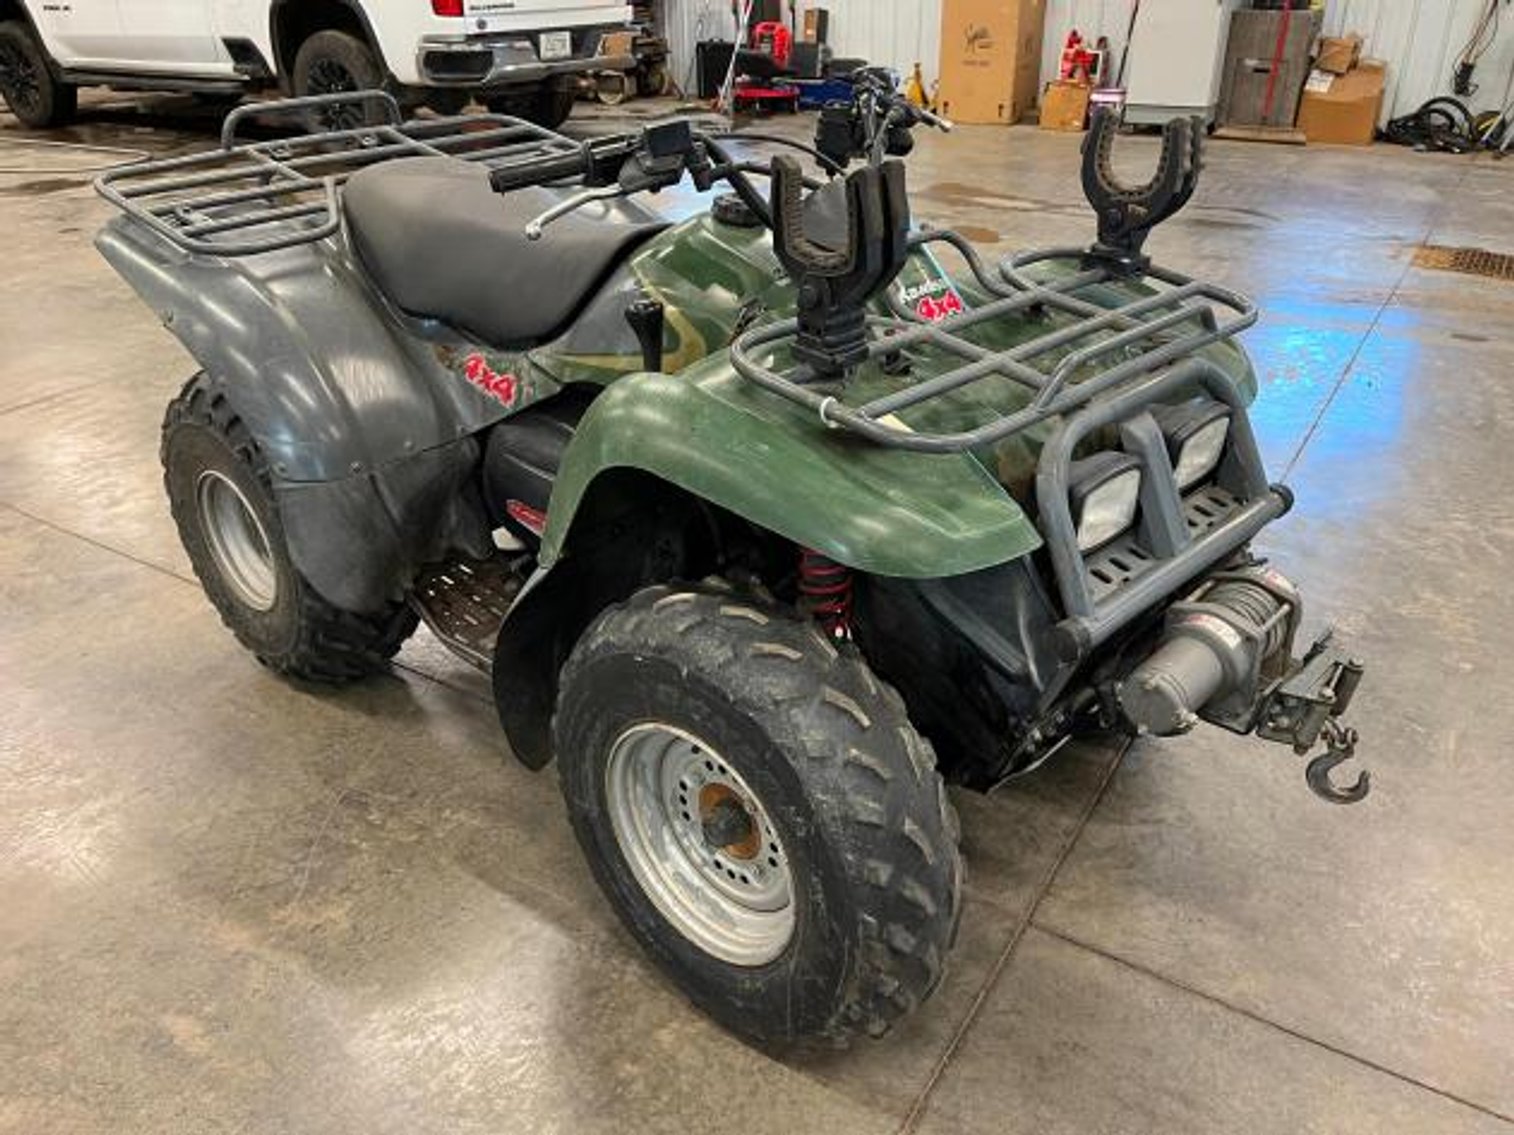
(441, 244)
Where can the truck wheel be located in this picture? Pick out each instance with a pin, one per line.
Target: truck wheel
(221, 495)
(548, 106)
(760, 813)
(27, 83)
(330, 63)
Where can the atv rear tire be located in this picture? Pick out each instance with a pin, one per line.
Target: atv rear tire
(28, 85)
(761, 814)
(221, 495)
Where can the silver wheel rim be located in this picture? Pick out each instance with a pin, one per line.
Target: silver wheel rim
(667, 793)
(237, 541)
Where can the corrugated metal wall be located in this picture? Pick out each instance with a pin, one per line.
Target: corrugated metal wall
(1420, 39)
(897, 33)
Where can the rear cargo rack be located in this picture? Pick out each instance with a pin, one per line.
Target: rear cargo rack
(249, 197)
(1107, 346)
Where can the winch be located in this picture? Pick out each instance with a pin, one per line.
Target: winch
(1226, 657)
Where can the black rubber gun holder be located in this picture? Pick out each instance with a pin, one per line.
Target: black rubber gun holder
(1127, 214)
(834, 284)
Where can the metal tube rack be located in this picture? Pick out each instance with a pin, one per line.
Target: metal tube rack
(246, 197)
(1179, 318)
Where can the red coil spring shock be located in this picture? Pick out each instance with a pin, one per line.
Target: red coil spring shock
(825, 590)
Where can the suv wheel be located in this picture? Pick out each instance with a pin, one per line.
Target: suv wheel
(330, 63)
(27, 83)
(758, 809)
(548, 106)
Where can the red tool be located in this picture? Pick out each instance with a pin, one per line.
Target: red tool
(772, 38)
(764, 71)
(1078, 62)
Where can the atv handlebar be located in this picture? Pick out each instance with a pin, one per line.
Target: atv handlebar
(539, 173)
(874, 125)
(598, 161)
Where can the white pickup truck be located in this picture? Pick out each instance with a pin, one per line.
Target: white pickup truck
(518, 56)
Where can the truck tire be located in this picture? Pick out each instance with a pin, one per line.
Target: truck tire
(760, 812)
(27, 82)
(221, 495)
(331, 62)
(546, 106)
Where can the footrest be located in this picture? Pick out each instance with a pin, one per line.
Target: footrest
(464, 602)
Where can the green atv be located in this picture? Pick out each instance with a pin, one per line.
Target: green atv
(762, 522)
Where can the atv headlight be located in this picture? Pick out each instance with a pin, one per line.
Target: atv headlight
(1196, 434)
(1105, 489)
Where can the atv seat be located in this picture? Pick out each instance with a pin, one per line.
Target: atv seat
(441, 244)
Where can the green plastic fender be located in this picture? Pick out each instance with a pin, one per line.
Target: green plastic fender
(878, 510)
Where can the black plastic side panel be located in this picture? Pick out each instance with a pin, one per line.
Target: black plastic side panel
(970, 654)
(359, 541)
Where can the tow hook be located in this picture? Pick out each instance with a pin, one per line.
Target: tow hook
(1307, 707)
(1340, 746)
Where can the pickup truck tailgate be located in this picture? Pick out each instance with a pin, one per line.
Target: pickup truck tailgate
(532, 15)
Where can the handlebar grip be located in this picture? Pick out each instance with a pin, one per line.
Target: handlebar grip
(539, 172)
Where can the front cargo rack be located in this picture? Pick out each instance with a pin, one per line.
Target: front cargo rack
(1097, 346)
(247, 197)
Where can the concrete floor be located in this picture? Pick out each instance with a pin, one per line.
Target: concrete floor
(231, 905)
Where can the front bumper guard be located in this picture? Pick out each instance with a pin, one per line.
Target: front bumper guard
(1304, 700)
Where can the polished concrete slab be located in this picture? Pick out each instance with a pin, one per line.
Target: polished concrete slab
(230, 904)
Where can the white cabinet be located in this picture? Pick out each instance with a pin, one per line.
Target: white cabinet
(1177, 58)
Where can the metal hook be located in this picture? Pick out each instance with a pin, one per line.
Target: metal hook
(1340, 746)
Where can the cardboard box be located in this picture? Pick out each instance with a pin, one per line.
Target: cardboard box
(1338, 54)
(990, 59)
(1342, 110)
(1064, 106)
(617, 43)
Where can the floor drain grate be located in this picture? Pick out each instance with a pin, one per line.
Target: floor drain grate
(1472, 261)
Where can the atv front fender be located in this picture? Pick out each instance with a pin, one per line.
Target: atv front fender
(721, 439)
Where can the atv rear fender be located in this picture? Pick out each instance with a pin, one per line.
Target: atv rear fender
(368, 436)
(309, 359)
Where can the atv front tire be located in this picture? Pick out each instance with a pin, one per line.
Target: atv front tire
(35, 95)
(221, 495)
(761, 814)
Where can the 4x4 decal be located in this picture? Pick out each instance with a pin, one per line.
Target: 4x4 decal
(504, 388)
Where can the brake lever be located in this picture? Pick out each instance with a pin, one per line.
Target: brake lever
(538, 226)
(945, 125)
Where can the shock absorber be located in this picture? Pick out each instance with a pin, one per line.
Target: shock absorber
(825, 590)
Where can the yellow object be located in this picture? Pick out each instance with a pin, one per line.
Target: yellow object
(914, 89)
(1064, 105)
